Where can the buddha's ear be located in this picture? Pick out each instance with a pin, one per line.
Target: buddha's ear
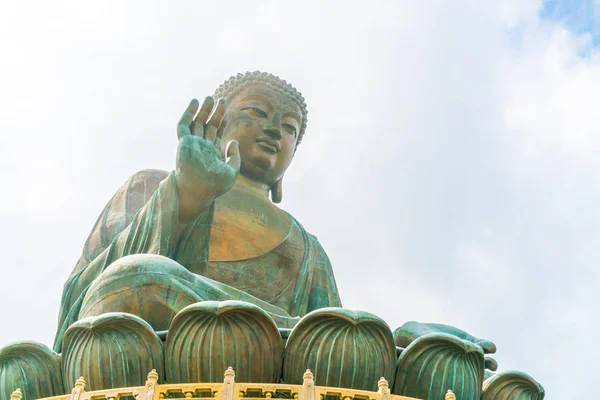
(277, 191)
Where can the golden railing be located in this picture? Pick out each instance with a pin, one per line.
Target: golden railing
(228, 390)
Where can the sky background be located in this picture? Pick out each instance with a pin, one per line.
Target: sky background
(450, 166)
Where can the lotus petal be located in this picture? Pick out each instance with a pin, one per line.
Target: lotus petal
(512, 385)
(437, 362)
(207, 337)
(32, 367)
(112, 350)
(343, 348)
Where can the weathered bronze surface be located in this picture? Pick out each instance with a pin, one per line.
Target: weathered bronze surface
(205, 338)
(155, 288)
(32, 367)
(110, 351)
(213, 222)
(412, 330)
(343, 348)
(204, 253)
(512, 385)
(435, 362)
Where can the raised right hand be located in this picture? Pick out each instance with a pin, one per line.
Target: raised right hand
(203, 173)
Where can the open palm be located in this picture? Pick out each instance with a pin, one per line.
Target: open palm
(203, 173)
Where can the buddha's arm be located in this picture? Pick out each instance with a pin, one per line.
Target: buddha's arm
(118, 213)
(323, 291)
(154, 230)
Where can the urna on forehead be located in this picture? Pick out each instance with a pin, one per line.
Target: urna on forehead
(236, 84)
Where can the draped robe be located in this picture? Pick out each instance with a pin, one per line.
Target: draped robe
(142, 218)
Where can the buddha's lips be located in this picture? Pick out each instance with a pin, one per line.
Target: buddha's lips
(268, 144)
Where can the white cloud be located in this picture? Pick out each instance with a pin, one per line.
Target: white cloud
(552, 101)
(449, 166)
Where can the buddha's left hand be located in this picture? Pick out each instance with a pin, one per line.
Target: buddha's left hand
(413, 329)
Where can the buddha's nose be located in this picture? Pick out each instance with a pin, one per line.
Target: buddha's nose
(273, 128)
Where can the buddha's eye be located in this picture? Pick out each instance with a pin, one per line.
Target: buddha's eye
(256, 111)
(291, 129)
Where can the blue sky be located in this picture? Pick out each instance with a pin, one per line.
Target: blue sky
(580, 16)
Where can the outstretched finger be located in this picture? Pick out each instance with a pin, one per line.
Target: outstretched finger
(210, 131)
(490, 364)
(232, 154)
(219, 136)
(202, 117)
(487, 346)
(222, 128)
(187, 118)
(218, 147)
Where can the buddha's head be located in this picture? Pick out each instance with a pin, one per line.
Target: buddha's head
(267, 116)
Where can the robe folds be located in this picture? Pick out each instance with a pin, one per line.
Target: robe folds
(142, 218)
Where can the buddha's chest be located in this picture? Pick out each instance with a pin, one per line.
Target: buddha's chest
(259, 253)
(243, 230)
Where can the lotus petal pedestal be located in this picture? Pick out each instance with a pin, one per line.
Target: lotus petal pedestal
(112, 350)
(207, 337)
(343, 348)
(512, 385)
(32, 367)
(437, 362)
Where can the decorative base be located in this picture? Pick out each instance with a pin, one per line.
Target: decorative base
(228, 390)
(348, 351)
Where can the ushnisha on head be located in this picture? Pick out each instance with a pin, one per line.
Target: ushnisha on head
(267, 117)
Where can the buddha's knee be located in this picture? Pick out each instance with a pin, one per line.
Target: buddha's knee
(152, 287)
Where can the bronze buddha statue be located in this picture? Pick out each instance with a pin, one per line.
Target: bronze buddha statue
(213, 216)
(190, 271)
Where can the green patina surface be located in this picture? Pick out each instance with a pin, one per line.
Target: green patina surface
(204, 253)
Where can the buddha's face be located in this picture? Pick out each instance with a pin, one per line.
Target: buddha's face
(266, 124)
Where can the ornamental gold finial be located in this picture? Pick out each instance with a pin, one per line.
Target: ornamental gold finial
(16, 395)
(450, 395)
(228, 384)
(152, 376)
(78, 388)
(308, 386)
(229, 373)
(383, 383)
(80, 383)
(383, 388)
(308, 375)
(151, 382)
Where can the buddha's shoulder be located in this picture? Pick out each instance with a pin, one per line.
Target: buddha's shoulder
(147, 176)
(142, 183)
(134, 194)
